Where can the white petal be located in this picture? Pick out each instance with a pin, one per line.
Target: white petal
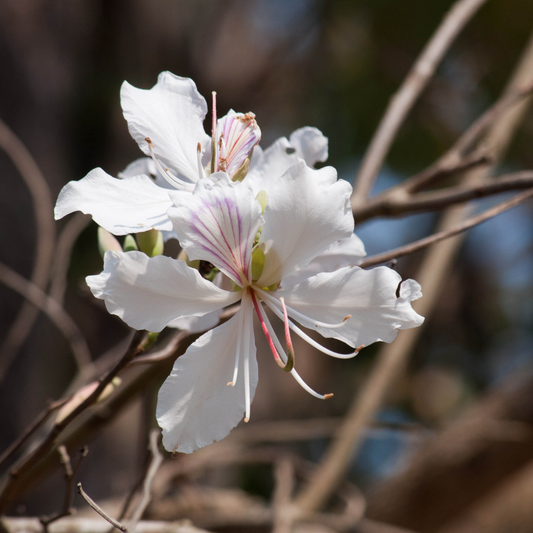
(218, 224)
(143, 165)
(171, 114)
(120, 206)
(148, 293)
(269, 165)
(346, 252)
(310, 144)
(307, 211)
(195, 406)
(369, 296)
(196, 324)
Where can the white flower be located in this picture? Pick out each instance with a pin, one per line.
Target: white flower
(167, 123)
(268, 257)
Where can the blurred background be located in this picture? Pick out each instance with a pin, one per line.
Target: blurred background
(332, 64)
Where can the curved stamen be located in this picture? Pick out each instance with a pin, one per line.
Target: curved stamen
(214, 135)
(311, 341)
(293, 372)
(248, 329)
(297, 315)
(287, 367)
(240, 335)
(165, 172)
(201, 171)
(288, 340)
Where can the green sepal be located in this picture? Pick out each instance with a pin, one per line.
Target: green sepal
(151, 242)
(262, 198)
(129, 244)
(241, 172)
(258, 263)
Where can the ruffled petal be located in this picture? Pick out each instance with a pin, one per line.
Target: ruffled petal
(196, 407)
(346, 252)
(379, 306)
(148, 293)
(171, 114)
(218, 224)
(121, 206)
(310, 144)
(307, 211)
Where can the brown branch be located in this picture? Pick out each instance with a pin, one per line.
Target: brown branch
(44, 241)
(65, 243)
(402, 102)
(53, 311)
(157, 459)
(395, 205)
(49, 441)
(99, 510)
(69, 474)
(441, 235)
(30, 430)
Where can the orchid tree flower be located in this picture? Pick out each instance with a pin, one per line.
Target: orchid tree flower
(260, 243)
(167, 123)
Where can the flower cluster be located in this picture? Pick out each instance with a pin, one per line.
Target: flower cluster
(278, 233)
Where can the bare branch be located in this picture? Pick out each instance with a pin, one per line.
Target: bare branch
(99, 510)
(49, 442)
(400, 204)
(436, 237)
(157, 459)
(53, 310)
(44, 241)
(402, 102)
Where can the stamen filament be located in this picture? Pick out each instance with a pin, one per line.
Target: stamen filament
(248, 325)
(214, 166)
(201, 172)
(288, 340)
(261, 316)
(311, 341)
(293, 372)
(165, 172)
(297, 315)
(240, 335)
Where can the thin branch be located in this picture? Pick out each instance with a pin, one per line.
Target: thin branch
(401, 204)
(50, 440)
(157, 459)
(53, 310)
(70, 472)
(402, 102)
(441, 235)
(44, 241)
(30, 430)
(65, 243)
(99, 510)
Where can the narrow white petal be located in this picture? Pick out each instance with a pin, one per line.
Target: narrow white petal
(368, 296)
(171, 114)
(148, 293)
(195, 406)
(307, 211)
(121, 206)
(218, 224)
(310, 144)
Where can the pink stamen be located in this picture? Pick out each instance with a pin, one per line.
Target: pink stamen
(288, 339)
(214, 163)
(266, 332)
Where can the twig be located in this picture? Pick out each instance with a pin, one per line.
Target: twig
(53, 310)
(30, 430)
(402, 102)
(157, 459)
(65, 243)
(441, 235)
(284, 485)
(44, 240)
(99, 510)
(392, 358)
(48, 443)
(70, 472)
